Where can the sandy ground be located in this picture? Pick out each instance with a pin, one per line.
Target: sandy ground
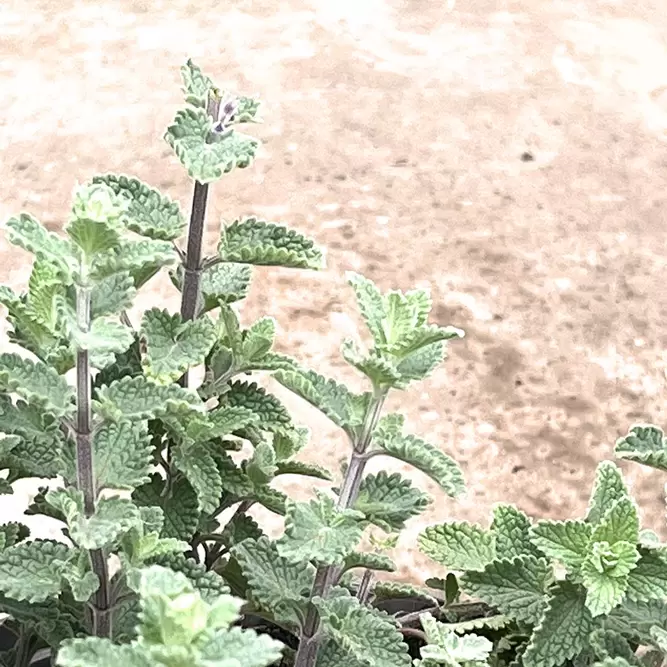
(509, 154)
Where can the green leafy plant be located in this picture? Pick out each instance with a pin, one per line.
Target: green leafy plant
(300, 580)
(561, 591)
(177, 626)
(142, 464)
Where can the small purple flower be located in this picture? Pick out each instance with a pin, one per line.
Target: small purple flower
(228, 109)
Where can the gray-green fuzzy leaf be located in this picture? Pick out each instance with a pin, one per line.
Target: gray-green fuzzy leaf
(458, 545)
(334, 400)
(515, 587)
(563, 629)
(430, 460)
(253, 241)
(366, 635)
(181, 509)
(389, 501)
(33, 571)
(149, 212)
(645, 443)
(37, 383)
(123, 455)
(511, 528)
(278, 585)
(318, 530)
(173, 346)
(205, 154)
(136, 398)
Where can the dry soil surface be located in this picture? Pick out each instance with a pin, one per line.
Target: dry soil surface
(509, 154)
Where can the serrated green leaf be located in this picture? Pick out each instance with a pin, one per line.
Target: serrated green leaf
(391, 590)
(603, 592)
(149, 212)
(112, 294)
(516, 587)
(98, 652)
(566, 541)
(126, 364)
(334, 400)
(619, 524)
(634, 619)
(648, 580)
(12, 533)
(258, 339)
(141, 259)
(92, 237)
(645, 443)
(381, 372)
(368, 561)
(206, 154)
(200, 469)
(423, 337)
(83, 582)
(113, 517)
(274, 500)
(240, 527)
(609, 487)
(511, 528)
(273, 416)
(388, 501)
(234, 479)
(136, 398)
(253, 241)
(123, 455)
(563, 629)
(210, 585)
(261, 467)
(458, 545)
(318, 530)
(37, 383)
(195, 82)
(180, 508)
(366, 635)
(496, 622)
(41, 450)
(241, 647)
(173, 346)
(27, 233)
(104, 340)
(444, 647)
(271, 361)
(289, 443)
(220, 422)
(420, 364)
(402, 316)
(301, 468)
(33, 571)
(425, 457)
(370, 303)
(278, 585)
(224, 282)
(611, 644)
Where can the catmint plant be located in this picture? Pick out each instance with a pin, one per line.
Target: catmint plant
(142, 465)
(561, 592)
(300, 579)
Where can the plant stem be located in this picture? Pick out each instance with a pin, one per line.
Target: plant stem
(85, 465)
(23, 648)
(192, 264)
(328, 575)
(365, 586)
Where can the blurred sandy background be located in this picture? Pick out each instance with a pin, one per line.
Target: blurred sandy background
(509, 154)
